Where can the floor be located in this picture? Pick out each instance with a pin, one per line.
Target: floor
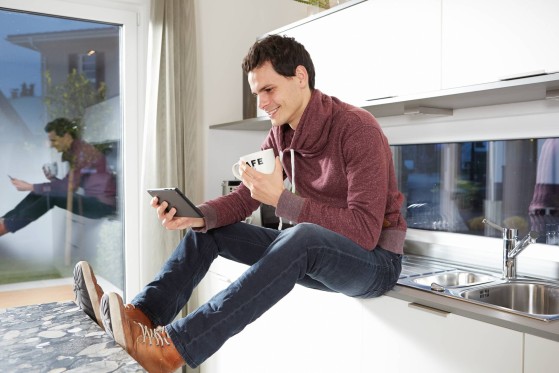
(58, 337)
(17, 298)
(44, 291)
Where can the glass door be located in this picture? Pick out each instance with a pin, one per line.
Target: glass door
(61, 143)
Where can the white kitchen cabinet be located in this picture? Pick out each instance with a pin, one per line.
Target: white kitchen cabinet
(400, 338)
(375, 49)
(307, 331)
(313, 331)
(540, 355)
(484, 41)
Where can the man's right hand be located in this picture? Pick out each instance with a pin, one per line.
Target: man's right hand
(172, 222)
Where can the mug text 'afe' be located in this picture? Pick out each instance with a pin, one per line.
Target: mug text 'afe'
(254, 162)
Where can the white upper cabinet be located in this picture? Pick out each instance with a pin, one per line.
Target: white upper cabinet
(486, 41)
(375, 49)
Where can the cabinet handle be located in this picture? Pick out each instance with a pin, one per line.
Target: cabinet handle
(434, 311)
(525, 74)
(427, 110)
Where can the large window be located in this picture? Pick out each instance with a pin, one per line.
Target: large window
(453, 186)
(60, 145)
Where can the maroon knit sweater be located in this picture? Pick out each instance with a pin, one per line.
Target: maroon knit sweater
(89, 170)
(344, 177)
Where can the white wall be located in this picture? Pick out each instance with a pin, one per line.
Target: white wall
(225, 31)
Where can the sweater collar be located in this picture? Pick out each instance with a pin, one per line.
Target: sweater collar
(311, 135)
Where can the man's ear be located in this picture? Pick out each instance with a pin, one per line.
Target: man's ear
(301, 75)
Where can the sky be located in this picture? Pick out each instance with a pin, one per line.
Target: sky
(21, 65)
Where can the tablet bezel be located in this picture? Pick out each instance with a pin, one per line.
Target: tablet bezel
(176, 198)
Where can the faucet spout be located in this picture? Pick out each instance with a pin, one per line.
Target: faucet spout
(493, 225)
(512, 247)
(523, 243)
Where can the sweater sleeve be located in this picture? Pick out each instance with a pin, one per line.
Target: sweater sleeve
(233, 207)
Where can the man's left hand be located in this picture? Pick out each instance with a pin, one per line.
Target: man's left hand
(22, 186)
(265, 188)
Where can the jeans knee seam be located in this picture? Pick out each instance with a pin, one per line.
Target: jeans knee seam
(242, 306)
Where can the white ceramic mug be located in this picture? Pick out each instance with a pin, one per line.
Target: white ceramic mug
(263, 161)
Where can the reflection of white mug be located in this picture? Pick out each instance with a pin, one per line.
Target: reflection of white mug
(263, 161)
(50, 170)
(552, 234)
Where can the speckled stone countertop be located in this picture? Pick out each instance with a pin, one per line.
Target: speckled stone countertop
(58, 337)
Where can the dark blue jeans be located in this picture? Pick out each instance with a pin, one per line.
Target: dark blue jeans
(33, 206)
(306, 254)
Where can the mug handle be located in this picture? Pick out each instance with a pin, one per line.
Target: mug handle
(236, 171)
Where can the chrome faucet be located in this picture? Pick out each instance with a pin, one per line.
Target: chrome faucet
(512, 247)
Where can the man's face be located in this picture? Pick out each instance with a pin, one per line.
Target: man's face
(283, 98)
(60, 143)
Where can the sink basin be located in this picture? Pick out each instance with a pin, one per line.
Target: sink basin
(527, 297)
(454, 279)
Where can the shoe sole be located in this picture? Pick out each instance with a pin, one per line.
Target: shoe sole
(105, 311)
(117, 319)
(83, 277)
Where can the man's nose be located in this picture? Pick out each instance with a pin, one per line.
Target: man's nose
(262, 101)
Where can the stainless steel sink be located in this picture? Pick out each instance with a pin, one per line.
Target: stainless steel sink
(454, 279)
(531, 298)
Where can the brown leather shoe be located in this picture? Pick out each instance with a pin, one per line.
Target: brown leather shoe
(130, 310)
(88, 297)
(3, 229)
(88, 293)
(152, 348)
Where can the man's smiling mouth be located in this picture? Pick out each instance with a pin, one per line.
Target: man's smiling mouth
(272, 112)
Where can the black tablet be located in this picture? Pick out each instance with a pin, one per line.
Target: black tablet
(175, 198)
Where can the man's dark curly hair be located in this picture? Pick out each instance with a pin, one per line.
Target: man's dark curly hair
(283, 52)
(61, 126)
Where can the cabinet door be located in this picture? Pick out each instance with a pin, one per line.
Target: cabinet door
(540, 355)
(307, 331)
(400, 338)
(484, 41)
(335, 43)
(375, 49)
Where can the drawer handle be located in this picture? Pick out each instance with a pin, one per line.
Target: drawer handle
(434, 311)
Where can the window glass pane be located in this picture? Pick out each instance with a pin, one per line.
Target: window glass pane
(453, 186)
(60, 156)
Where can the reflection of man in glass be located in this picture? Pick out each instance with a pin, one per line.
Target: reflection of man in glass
(544, 208)
(89, 189)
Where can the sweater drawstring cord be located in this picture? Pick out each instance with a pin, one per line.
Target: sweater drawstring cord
(280, 225)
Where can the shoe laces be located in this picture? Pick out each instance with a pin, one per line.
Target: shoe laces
(158, 334)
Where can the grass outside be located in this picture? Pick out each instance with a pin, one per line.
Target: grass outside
(17, 270)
